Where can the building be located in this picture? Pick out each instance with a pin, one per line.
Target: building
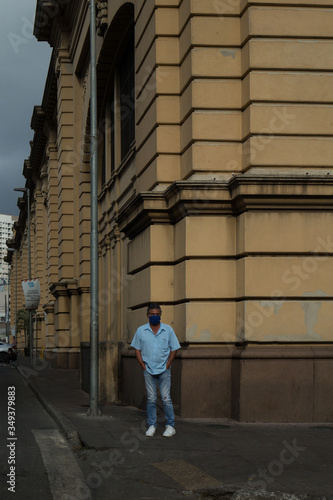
(4, 301)
(215, 198)
(6, 232)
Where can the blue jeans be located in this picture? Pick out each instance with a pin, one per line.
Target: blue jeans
(164, 382)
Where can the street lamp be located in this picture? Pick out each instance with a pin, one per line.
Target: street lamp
(94, 332)
(14, 250)
(27, 190)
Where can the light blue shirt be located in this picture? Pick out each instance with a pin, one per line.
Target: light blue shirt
(155, 349)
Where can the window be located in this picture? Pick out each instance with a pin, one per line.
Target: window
(103, 177)
(118, 127)
(127, 99)
(112, 130)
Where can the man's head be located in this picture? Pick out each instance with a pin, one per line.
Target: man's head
(154, 312)
(152, 306)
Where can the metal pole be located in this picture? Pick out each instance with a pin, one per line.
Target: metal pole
(94, 340)
(29, 245)
(8, 311)
(6, 315)
(29, 269)
(16, 297)
(14, 250)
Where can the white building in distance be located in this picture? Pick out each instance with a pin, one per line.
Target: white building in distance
(6, 232)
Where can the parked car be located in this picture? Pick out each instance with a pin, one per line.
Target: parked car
(8, 352)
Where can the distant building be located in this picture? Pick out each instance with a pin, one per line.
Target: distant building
(3, 303)
(6, 232)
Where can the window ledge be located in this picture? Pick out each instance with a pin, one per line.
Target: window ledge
(128, 158)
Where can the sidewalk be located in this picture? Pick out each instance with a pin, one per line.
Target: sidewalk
(207, 458)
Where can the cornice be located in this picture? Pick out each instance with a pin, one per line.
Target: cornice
(72, 287)
(65, 288)
(293, 192)
(42, 120)
(37, 149)
(21, 202)
(49, 15)
(20, 225)
(15, 242)
(190, 197)
(141, 211)
(49, 307)
(10, 243)
(27, 169)
(58, 289)
(37, 119)
(230, 197)
(83, 285)
(181, 198)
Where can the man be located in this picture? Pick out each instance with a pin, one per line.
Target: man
(155, 347)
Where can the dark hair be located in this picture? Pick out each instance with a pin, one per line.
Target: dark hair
(153, 305)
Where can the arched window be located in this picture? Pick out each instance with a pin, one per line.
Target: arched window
(118, 124)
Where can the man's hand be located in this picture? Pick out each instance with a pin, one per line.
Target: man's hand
(171, 358)
(139, 359)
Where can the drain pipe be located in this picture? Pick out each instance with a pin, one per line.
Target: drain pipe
(94, 333)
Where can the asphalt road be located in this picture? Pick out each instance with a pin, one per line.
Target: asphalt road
(119, 462)
(35, 460)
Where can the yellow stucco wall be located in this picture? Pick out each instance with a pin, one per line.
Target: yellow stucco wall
(222, 209)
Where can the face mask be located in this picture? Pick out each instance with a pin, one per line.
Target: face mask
(154, 320)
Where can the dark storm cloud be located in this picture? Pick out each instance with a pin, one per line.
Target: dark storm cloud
(24, 65)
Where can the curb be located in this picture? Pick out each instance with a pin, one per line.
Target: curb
(63, 423)
(234, 493)
(270, 495)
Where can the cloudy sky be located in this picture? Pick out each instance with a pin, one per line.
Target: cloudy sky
(24, 65)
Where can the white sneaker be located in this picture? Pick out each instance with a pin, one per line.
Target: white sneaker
(169, 431)
(151, 431)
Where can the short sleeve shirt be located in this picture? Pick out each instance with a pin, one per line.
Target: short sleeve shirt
(155, 349)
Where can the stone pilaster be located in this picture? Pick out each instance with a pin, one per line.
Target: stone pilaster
(49, 351)
(65, 149)
(84, 313)
(52, 212)
(40, 253)
(61, 325)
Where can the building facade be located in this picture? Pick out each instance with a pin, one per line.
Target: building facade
(215, 198)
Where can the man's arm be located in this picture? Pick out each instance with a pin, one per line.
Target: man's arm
(139, 359)
(171, 358)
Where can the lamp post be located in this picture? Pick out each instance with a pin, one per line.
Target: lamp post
(94, 332)
(14, 250)
(27, 190)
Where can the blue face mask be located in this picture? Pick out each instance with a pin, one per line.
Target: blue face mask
(154, 320)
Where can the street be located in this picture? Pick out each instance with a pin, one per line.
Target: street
(220, 459)
(35, 459)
